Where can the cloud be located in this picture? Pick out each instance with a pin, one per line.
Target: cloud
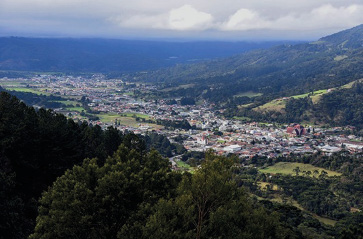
(244, 19)
(188, 18)
(202, 18)
(183, 18)
(325, 16)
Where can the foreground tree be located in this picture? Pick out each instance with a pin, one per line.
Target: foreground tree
(92, 201)
(209, 205)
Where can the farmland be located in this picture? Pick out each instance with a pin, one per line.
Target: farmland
(288, 169)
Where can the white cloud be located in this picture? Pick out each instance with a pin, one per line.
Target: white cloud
(244, 19)
(183, 18)
(221, 18)
(325, 16)
(188, 18)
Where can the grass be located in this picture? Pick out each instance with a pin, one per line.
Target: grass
(279, 105)
(318, 92)
(275, 105)
(263, 186)
(341, 57)
(287, 168)
(182, 164)
(249, 94)
(21, 89)
(78, 109)
(186, 86)
(278, 199)
(11, 83)
(245, 105)
(241, 118)
(124, 120)
(136, 115)
(325, 220)
(185, 166)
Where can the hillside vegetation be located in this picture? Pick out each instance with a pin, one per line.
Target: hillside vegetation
(284, 71)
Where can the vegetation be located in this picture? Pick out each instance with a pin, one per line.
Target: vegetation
(91, 187)
(114, 57)
(302, 72)
(297, 169)
(41, 145)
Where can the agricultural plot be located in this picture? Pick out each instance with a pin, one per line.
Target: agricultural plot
(249, 94)
(288, 168)
(125, 120)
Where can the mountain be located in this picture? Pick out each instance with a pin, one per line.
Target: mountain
(105, 55)
(279, 68)
(243, 83)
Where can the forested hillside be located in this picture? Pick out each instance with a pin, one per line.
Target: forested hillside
(109, 56)
(37, 146)
(258, 77)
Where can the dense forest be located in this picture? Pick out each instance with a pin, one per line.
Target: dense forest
(37, 146)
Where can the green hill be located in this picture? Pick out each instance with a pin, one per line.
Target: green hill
(282, 71)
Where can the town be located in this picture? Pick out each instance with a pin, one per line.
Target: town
(198, 127)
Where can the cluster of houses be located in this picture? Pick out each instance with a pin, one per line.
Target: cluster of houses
(209, 130)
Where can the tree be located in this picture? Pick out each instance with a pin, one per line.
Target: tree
(210, 205)
(109, 201)
(296, 170)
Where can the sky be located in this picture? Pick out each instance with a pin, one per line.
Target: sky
(227, 20)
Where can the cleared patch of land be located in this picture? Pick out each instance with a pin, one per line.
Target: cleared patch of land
(124, 120)
(136, 115)
(249, 94)
(280, 104)
(341, 57)
(31, 90)
(186, 86)
(184, 166)
(241, 118)
(245, 105)
(274, 105)
(288, 200)
(264, 185)
(288, 168)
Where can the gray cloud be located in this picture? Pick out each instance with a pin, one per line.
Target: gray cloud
(217, 19)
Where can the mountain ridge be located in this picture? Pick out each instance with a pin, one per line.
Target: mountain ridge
(109, 55)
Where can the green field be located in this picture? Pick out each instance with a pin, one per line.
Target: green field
(249, 94)
(185, 166)
(275, 105)
(23, 89)
(78, 109)
(279, 105)
(136, 115)
(241, 118)
(287, 168)
(186, 86)
(245, 105)
(11, 83)
(124, 120)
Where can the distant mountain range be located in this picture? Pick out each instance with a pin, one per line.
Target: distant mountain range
(250, 84)
(329, 62)
(104, 55)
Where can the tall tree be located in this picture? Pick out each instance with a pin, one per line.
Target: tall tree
(92, 201)
(210, 205)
